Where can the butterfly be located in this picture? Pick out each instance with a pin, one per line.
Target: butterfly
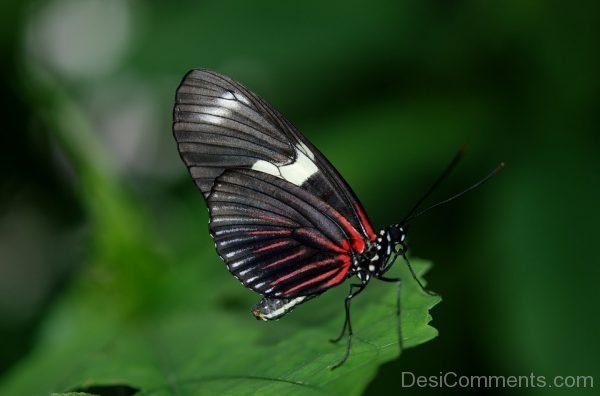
(284, 221)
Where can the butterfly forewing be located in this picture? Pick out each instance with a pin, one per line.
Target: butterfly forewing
(219, 124)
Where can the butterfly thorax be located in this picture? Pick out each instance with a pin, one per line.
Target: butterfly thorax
(375, 260)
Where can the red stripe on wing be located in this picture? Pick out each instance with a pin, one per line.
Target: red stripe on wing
(324, 242)
(271, 246)
(303, 269)
(276, 219)
(270, 232)
(365, 222)
(287, 258)
(311, 281)
(358, 242)
(341, 275)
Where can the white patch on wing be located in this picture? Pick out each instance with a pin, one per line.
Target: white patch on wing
(238, 263)
(227, 100)
(211, 119)
(217, 111)
(266, 167)
(242, 98)
(228, 95)
(235, 252)
(297, 172)
(227, 231)
(225, 105)
(283, 309)
(230, 241)
(244, 272)
(306, 150)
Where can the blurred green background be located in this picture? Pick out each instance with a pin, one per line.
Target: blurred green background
(388, 90)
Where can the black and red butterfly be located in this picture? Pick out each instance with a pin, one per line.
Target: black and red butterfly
(284, 221)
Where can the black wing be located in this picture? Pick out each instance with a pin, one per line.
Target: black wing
(277, 238)
(219, 125)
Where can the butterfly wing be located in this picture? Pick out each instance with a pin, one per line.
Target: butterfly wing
(219, 125)
(277, 238)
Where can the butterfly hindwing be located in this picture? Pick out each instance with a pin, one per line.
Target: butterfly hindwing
(278, 239)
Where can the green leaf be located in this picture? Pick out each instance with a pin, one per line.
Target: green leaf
(179, 349)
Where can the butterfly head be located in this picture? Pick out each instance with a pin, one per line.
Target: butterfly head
(397, 235)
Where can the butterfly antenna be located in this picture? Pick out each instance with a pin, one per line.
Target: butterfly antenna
(439, 180)
(452, 198)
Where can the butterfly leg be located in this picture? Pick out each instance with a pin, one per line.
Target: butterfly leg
(398, 282)
(347, 323)
(338, 338)
(414, 275)
(347, 319)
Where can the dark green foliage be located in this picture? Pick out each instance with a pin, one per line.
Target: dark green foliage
(98, 245)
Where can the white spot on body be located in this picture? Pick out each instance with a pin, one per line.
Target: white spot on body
(371, 268)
